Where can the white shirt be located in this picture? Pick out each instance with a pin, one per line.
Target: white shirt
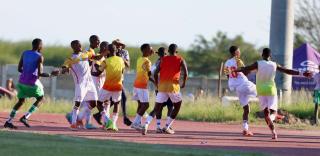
(80, 71)
(235, 78)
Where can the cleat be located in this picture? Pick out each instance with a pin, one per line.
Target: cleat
(159, 130)
(90, 126)
(247, 133)
(114, 127)
(9, 125)
(127, 121)
(279, 117)
(73, 127)
(97, 117)
(80, 124)
(69, 118)
(145, 129)
(108, 125)
(168, 130)
(136, 126)
(24, 120)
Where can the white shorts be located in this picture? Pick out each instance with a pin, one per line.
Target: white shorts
(98, 82)
(85, 91)
(163, 97)
(270, 102)
(105, 95)
(141, 95)
(245, 91)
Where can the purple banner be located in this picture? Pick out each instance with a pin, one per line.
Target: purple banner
(305, 58)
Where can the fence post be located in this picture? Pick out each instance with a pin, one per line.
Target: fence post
(53, 87)
(219, 82)
(4, 75)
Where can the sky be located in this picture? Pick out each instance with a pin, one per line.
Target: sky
(134, 21)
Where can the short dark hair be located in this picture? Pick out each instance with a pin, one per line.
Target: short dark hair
(74, 42)
(112, 48)
(92, 38)
(172, 48)
(161, 51)
(104, 43)
(36, 42)
(144, 46)
(266, 52)
(233, 49)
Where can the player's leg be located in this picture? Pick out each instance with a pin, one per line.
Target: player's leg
(316, 100)
(32, 109)
(126, 120)
(75, 112)
(16, 107)
(159, 116)
(160, 99)
(176, 99)
(115, 116)
(136, 124)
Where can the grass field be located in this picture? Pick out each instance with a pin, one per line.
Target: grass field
(27, 144)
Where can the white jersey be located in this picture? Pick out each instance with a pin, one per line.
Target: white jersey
(80, 71)
(99, 80)
(235, 78)
(316, 79)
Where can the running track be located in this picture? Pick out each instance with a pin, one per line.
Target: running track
(191, 134)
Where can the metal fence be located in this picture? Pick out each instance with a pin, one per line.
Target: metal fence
(62, 87)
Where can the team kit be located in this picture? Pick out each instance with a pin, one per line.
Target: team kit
(98, 79)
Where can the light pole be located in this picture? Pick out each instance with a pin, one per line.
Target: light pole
(281, 40)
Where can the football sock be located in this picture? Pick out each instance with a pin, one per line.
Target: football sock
(169, 122)
(158, 123)
(245, 125)
(272, 117)
(12, 115)
(115, 117)
(75, 112)
(32, 109)
(149, 119)
(137, 119)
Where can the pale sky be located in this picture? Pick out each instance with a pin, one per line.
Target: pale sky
(134, 21)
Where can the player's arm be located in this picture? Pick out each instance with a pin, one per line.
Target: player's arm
(126, 59)
(247, 69)
(20, 65)
(40, 68)
(185, 73)
(293, 72)
(156, 75)
(99, 69)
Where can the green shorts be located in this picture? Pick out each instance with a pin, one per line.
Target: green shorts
(27, 91)
(316, 97)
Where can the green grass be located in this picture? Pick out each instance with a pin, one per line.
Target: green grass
(27, 144)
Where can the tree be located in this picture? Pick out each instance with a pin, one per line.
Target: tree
(205, 56)
(307, 21)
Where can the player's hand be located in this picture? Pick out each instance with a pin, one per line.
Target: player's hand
(307, 74)
(55, 72)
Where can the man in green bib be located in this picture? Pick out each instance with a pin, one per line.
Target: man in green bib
(266, 86)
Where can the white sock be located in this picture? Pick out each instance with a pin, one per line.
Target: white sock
(107, 108)
(272, 117)
(149, 119)
(137, 119)
(245, 125)
(105, 118)
(88, 116)
(158, 123)
(75, 112)
(115, 117)
(169, 122)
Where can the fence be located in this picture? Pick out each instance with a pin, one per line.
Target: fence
(62, 87)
